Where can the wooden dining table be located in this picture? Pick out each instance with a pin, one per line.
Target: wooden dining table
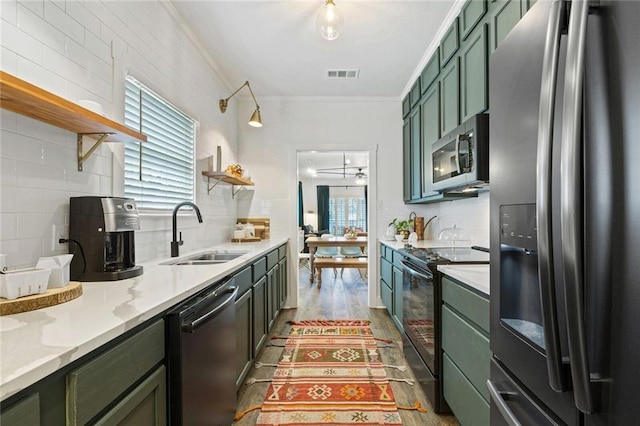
(314, 242)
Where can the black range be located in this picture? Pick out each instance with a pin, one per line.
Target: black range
(421, 311)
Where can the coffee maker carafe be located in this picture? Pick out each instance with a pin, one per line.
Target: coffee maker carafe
(102, 228)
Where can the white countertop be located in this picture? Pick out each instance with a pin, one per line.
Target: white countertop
(37, 343)
(476, 276)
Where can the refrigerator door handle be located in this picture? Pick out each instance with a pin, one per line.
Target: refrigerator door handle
(570, 200)
(543, 199)
(503, 408)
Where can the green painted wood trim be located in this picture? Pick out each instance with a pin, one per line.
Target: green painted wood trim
(449, 44)
(471, 13)
(282, 252)
(25, 412)
(272, 259)
(431, 71)
(466, 403)
(415, 156)
(467, 347)
(397, 259)
(96, 384)
(259, 314)
(474, 74)
(153, 393)
(406, 160)
(470, 304)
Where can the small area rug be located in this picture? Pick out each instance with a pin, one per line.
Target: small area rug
(330, 372)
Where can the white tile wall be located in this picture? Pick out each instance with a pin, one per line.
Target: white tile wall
(83, 50)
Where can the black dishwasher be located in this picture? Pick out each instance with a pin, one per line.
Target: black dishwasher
(201, 357)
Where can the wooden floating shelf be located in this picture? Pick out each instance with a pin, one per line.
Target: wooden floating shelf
(26, 99)
(226, 178)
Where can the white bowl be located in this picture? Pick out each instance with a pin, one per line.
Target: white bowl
(399, 237)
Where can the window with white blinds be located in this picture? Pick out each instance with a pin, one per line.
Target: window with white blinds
(158, 173)
(347, 212)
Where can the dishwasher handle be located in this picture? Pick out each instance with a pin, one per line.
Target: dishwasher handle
(192, 326)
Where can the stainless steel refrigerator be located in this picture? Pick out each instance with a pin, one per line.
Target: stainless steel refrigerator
(565, 216)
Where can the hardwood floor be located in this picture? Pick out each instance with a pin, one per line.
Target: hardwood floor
(342, 297)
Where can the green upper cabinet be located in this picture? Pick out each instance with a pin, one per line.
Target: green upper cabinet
(471, 13)
(505, 15)
(415, 93)
(415, 155)
(449, 44)
(474, 74)
(430, 71)
(450, 97)
(406, 160)
(430, 114)
(406, 105)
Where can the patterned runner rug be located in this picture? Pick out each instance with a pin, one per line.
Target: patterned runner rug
(330, 372)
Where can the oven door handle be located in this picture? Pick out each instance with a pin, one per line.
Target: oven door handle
(415, 273)
(497, 397)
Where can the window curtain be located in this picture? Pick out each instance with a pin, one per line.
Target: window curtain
(323, 208)
(366, 203)
(300, 205)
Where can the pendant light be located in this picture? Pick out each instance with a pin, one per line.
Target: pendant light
(329, 21)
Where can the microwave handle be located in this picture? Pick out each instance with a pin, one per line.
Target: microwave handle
(467, 167)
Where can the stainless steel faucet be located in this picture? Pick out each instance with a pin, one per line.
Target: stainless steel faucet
(175, 244)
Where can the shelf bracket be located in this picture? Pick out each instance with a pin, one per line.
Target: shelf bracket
(209, 186)
(84, 157)
(234, 192)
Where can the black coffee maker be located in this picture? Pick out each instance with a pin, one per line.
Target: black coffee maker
(101, 229)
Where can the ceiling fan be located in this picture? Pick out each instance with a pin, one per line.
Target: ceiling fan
(346, 170)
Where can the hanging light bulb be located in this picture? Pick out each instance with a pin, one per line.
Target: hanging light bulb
(329, 21)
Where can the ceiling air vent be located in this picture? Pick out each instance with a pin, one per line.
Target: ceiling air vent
(341, 74)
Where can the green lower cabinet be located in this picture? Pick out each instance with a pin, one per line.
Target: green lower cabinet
(397, 297)
(469, 407)
(272, 297)
(24, 413)
(244, 345)
(386, 294)
(144, 405)
(259, 318)
(282, 283)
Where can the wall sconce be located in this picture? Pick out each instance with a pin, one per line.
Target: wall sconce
(329, 21)
(255, 120)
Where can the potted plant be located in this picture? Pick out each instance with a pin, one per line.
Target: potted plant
(403, 227)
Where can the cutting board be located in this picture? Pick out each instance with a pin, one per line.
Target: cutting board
(51, 297)
(261, 225)
(245, 240)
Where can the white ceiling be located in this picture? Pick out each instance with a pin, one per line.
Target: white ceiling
(275, 44)
(333, 163)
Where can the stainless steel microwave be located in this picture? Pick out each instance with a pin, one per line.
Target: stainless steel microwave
(460, 159)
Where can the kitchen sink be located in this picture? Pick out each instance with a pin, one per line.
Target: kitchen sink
(207, 258)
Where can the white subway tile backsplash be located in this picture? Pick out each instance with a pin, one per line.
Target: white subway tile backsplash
(61, 65)
(8, 12)
(8, 172)
(16, 199)
(39, 76)
(33, 175)
(77, 10)
(40, 130)
(8, 226)
(21, 43)
(34, 225)
(8, 120)
(55, 14)
(97, 46)
(20, 147)
(36, 6)
(40, 29)
(7, 59)
(82, 182)
(56, 201)
(21, 253)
